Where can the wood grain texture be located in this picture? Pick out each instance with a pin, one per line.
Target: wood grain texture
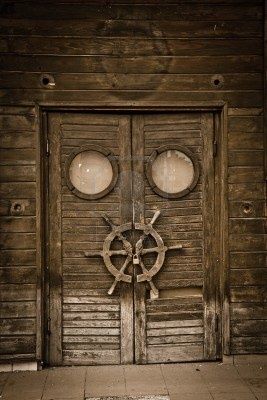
(126, 293)
(138, 52)
(133, 28)
(136, 12)
(17, 233)
(94, 315)
(247, 263)
(120, 81)
(129, 46)
(54, 257)
(179, 270)
(209, 232)
(138, 150)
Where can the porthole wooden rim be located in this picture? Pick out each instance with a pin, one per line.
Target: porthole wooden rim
(151, 181)
(115, 171)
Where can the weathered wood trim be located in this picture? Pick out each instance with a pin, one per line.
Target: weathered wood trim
(221, 228)
(122, 10)
(137, 105)
(54, 236)
(224, 225)
(126, 291)
(221, 108)
(40, 128)
(139, 217)
(217, 233)
(209, 256)
(45, 289)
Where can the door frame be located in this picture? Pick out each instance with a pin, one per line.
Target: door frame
(219, 109)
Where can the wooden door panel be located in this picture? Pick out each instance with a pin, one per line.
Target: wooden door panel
(89, 327)
(179, 326)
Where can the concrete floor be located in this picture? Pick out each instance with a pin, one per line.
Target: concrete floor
(201, 381)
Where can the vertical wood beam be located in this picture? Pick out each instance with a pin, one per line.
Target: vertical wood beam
(54, 235)
(209, 257)
(139, 216)
(225, 280)
(39, 237)
(126, 291)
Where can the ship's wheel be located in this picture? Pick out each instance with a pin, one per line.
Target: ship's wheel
(135, 257)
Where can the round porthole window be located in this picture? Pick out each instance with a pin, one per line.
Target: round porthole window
(91, 172)
(172, 171)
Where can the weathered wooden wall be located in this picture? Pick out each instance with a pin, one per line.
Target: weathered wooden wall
(17, 233)
(143, 52)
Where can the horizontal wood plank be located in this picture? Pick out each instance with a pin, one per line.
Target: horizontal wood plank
(17, 139)
(17, 292)
(250, 276)
(17, 157)
(248, 259)
(132, 28)
(17, 190)
(246, 191)
(247, 225)
(119, 81)
(245, 158)
(245, 311)
(91, 357)
(92, 12)
(249, 328)
(180, 353)
(18, 224)
(133, 65)
(25, 309)
(14, 122)
(245, 174)
(17, 275)
(16, 345)
(234, 98)
(256, 294)
(130, 46)
(18, 241)
(18, 173)
(248, 345)
(17, 257)
(18, 326)
(238, 209)
(247, 242)
(245, 141)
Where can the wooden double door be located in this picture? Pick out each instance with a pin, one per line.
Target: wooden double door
(179, 320)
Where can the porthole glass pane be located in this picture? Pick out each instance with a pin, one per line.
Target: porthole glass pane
(172, 171)
(90, 172)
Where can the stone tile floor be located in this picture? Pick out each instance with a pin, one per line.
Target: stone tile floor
(194, 381)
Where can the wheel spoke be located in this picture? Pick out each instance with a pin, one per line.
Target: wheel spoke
(126, 244)
(114, 284)
(151, 250)
(118, 252)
